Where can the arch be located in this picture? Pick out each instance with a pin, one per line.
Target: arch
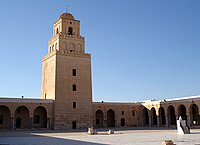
(56, 46)
(72, 48)
(145, 117)
(22, 114)
(171, 115)
(70, 31)
(40, 117)
(194, 114)
(162, 116)
(52, 48)
(64, 46)
(182, 112)
(99, 118)
(153, 116)
(110, 118)
(5, 119)
(79, 48)
(123, 122)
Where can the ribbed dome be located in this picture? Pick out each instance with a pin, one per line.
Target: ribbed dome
(67, 16)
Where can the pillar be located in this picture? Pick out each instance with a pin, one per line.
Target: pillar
(150, 124)
(142, 120)
(12, 123)
(158, 121)
(48, 123)
(188, 120)
(31, 122)
(166, 121)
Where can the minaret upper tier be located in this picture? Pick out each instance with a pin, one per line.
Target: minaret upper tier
(66, 36)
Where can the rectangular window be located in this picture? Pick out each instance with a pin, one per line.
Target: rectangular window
(1, 119)
(122, 112)
(74, 87)
(74, 104)
(36, 119)
(73, 72)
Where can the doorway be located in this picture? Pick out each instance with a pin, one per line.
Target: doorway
(74, 125)
(18, 122)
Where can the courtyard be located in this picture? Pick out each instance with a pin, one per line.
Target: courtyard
(127, 136)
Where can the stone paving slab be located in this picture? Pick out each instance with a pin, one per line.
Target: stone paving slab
(121, 137)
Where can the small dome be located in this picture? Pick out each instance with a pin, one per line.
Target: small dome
(67, 16)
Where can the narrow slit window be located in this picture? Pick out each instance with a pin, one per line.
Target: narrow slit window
(73, 72)
(133, 113)
(74, 87)
(74, 104)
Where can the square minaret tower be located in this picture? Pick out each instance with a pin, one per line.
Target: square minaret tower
(66, 75)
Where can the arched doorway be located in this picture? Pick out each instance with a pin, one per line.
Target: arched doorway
(162, 116)
(145, 117)
(40, 117)
(194, 114)
(22, 117)
(153, 117)
(122, 122)
(110, 118)
(172, 116)
(5, 119)
(18, 122)
(99, 118)
(182, 112)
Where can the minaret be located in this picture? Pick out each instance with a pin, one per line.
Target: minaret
(66, 75)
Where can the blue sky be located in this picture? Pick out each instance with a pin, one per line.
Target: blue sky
(141, 49)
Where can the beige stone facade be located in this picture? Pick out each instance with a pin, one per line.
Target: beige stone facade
(66, 94)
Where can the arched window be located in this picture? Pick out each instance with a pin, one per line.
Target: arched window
(70, 31)
(57, 31)
(52, 48)
(133, 113)
(56, 46)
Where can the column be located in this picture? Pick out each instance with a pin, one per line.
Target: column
(12, 123)
(158, 121)
(150, 124)
(48, 123)
(166, 121)
(105, 123)
(188, 120)
(31, 122)
(142, 122)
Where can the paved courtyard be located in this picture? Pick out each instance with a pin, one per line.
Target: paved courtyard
(131, 136)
